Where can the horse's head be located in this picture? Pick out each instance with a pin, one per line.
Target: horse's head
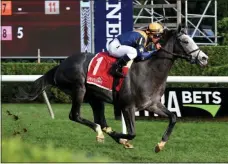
(184, 44)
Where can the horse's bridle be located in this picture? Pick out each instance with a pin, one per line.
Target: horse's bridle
(181, 56)
(188, 56)
(193, 61)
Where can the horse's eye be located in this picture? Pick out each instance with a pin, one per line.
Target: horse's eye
(184, 41)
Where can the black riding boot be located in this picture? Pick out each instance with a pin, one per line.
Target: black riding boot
(116, 69)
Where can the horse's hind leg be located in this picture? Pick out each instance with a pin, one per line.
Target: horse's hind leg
(77, 99)
(163, 111)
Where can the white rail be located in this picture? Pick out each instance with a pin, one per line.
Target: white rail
(171, 79)
(197, 79)
(19, 78)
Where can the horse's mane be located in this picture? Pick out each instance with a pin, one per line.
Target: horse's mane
(168, 36)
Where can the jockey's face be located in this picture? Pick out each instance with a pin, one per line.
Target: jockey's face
(155, 38)
(150, 36)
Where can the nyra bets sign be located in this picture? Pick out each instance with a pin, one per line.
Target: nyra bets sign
(111, 18)
(193, 102)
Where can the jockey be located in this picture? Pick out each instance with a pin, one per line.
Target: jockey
(134, 44)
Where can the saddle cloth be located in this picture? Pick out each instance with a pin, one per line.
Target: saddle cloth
(98, 72)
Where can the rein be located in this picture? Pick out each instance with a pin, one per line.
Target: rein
(187, 57)
(177, 55)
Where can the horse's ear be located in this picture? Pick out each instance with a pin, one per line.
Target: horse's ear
(179, 28)
(184, 30)
(165, 30)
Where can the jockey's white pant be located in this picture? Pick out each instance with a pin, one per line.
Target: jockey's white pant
(117, 50)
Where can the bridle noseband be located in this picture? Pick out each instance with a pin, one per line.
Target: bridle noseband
(193, 61)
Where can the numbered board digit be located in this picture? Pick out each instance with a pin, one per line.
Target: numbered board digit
(6, 32)
(20, 32)
(6, 8)
(51, 7)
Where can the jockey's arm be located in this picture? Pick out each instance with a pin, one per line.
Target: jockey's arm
(142, 53)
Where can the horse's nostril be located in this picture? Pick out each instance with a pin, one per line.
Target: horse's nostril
(204, 58)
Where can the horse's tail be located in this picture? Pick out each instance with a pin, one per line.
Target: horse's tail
(37, 86)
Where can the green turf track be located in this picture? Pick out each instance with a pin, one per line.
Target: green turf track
(190, 141)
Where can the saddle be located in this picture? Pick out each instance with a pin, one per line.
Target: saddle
(99, 72)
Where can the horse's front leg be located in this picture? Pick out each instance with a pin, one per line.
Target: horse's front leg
(161, 110)
(129, 117)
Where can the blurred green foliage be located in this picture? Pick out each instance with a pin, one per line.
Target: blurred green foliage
(15, 150)
(223, 30)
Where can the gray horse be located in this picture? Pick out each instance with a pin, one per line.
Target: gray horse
(142, 87)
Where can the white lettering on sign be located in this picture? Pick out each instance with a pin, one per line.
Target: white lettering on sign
(172, 99)
(113, 30)
(172, 105)
(217, 99)
(197, 97)
(112, 14)
(113, 22)
(207, 96)
(186, 97)
(200, 97)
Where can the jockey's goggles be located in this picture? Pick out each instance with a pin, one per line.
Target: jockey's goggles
(156, 35)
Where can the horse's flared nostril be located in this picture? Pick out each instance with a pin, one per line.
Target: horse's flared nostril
(204, 58)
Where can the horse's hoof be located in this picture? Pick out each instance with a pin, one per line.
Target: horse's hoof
(126, 144)
(100, 139)
(158, 148)
(122, 141)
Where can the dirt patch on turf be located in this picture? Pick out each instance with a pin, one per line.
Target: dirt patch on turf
(16, 118)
